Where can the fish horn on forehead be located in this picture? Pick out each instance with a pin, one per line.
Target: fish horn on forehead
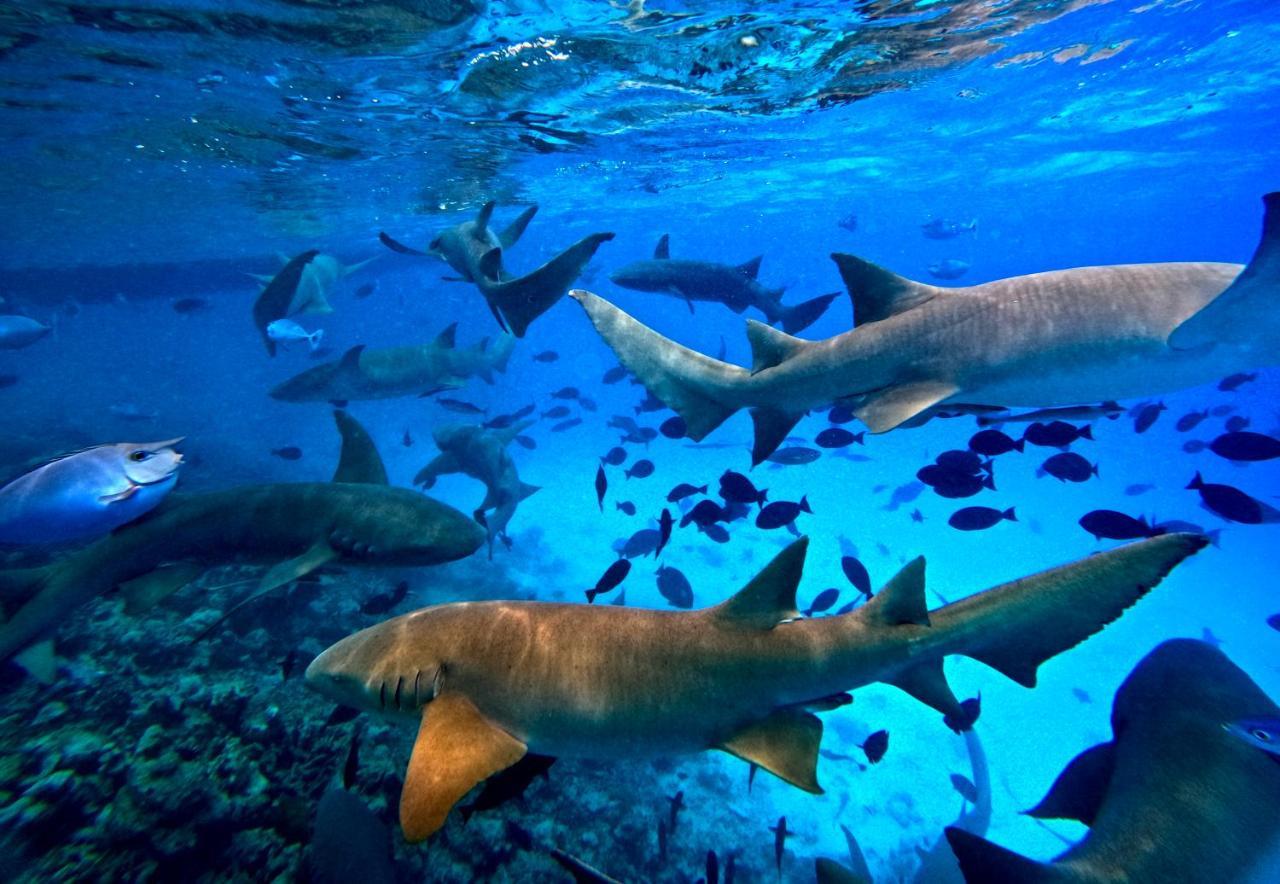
(167, 443)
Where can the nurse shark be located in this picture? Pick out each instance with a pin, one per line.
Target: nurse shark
(481, 454)
(1064, 337)
(296, 528)
(490, 681)
(1173, 797)
(476, 254)
(398, 371)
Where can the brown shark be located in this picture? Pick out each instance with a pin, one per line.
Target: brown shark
(476, 253)
(490, 681)
(1067, 337)
(1173, 797)
(297, 528)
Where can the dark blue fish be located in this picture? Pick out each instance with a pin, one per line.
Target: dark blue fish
(1235, 381)
(546, 356)
(738, 488)
(1236, 423)
(962, 784)
(609, 580)
(991, 443)
(673, 428)
(781, 513)
(875, 746)
(683, 490)
(979, 518)
(960, 461)
(904, 494)
(641, 469)
(290, 452)
(650, 403)
(840, 414)
(1147, 416)
(1112, 525)
(365, 290)
(642, 543)
(794, 456)
(1190, 420)
(566, 393)
(588, 404)
(627, 507)
(857, 574)
(556, 411)
(1231, 503)
(615, 456)
(718, 533)
(1056, 434)
(954, 484)
(1068, 466)
(460, 406)
(527, 442)
(704, 513)
(602, 485)
(1138, 488)
(675, 587)
(837, 437)
(615, 374)
(566, 425)
(1246, 446)
(823, 602)
(665, 524)
(1194, 446)
(849, 222)
(968, 715)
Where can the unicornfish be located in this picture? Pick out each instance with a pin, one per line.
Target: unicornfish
(1061, 338)
(488, 682)
(1174, 796)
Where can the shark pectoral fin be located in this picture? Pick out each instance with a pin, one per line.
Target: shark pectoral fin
(40, 661)
(1078, 791)
(771, 426)
(785, 744)
(359, 461)
(770, 597)
(901, 600)
(888, 408)
(1249, 296)
(456, 748)
(515, 229)
(526, 490)
(770, 347)
(662, 251)
(317, 556)
(397, 246)
(926, 682)
(980, 860)
(878, 293)
(141, 594)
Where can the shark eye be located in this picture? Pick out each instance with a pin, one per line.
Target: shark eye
(1259, 734)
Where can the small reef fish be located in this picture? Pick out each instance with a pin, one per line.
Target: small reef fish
(951, 268)
(89, 493)
(610, 579)
(941, 228)
(286, 331)
(17, 332)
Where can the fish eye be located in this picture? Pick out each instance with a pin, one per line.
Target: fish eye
(1259, 734)
(139, 456)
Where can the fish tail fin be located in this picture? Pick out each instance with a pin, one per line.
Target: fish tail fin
(698, 388)
(315, 338)
(1250, 294)
(981, 860)
(524, 298)
(798, 317)
(1015, 627)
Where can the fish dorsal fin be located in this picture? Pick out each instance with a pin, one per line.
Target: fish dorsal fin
(662, 251)
(351, 359)
(1078, 791)
(894, 406)
(456, 748)
(482, 220)
(980, 860)
(785, 743)
(359, 461)
(770, 597)
(448, 339)
(770, 347)
(878, 293)
(751, 268)
(901, 600)
(511, 235)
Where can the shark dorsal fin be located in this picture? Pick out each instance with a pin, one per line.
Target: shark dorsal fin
(359, 463)
(1078, 791)
(980, 860)
(662, 251)
(448, 339)
(482, 220)
(770, 597)
(878, 293)
(751, 268)
(351, 359)
(457, 747)
(901, 600)
(785, 743)
(770, 347)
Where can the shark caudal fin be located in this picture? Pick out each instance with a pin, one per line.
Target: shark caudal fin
(523, 299)
(1250, 298)
(982, 862)
(1015, 627)
(798, 317)
(695, 386)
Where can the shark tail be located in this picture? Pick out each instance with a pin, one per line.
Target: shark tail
(1015, 627)
(700, 389)
(980, 860)
(19, 585)
(523, 299)
(1250, 294)
(798, 317)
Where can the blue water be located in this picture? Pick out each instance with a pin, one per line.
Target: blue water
(165, 151)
